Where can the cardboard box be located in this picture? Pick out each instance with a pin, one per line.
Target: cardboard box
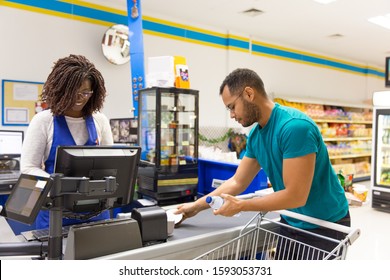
(353, 200)
(167, 71)
(360, 192)
(182, 79)
(160, 72)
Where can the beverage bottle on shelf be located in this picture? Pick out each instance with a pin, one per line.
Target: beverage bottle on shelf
(388, 136)
(341, 178)
(216, 202)
(385, 157)
(383, 138)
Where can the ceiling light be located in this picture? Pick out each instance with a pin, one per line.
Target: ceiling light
(336, 36)
(383, 21)
(324, 1)
(253, 12)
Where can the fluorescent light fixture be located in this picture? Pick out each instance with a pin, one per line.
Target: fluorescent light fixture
(383, 21)
(324, 1)
(253, 12)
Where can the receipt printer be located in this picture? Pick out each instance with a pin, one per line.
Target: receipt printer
(152, 222)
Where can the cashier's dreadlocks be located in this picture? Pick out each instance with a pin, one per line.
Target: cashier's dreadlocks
(60, 90)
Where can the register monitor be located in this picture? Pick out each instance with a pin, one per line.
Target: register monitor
(26, 198)
(97, 163)
(11, 143)
(84, 187)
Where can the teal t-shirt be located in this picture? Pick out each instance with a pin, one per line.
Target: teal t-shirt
(290, 133)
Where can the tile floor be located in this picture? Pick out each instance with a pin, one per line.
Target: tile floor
(374, 241)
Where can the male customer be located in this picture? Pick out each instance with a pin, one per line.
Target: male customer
(288, 145)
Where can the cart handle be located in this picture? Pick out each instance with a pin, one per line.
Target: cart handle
(315, 221)
(352, 233)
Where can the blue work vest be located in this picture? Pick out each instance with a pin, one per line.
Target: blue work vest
(63, 137)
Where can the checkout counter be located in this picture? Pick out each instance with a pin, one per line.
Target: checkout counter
(190, 239)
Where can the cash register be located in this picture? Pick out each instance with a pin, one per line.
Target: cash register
(10, 150)
(86, 181)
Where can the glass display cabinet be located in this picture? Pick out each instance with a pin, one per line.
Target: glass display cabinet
(168, 135)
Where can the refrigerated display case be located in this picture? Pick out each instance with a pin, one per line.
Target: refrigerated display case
(381, 151)
(168, 136)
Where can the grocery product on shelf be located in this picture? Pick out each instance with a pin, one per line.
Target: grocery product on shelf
(347, 133)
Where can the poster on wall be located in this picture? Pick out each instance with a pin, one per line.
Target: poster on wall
(20, 102)
(124, 130)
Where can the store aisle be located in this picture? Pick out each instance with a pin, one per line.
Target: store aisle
(374, 241)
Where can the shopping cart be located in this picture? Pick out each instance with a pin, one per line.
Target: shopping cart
(268, 239)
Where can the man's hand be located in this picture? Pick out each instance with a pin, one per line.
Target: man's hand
(188, 210)
(230, 207)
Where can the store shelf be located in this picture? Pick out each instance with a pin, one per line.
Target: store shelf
(333, 102)
(347, 121)
(350, 156)
(345, 128)
(345, 139)
(361, 178)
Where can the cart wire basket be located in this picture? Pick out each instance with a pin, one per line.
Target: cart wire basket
(265, 239)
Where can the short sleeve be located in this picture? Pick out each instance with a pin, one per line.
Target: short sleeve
(298, 138)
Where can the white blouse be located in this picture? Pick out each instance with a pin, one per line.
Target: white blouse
(39, 137)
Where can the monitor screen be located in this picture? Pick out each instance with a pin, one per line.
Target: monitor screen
(11, 143)
(27, 197)
(97, 163)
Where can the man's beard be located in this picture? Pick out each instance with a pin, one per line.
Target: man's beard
(252, 114)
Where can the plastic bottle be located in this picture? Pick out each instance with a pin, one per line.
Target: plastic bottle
(341, 178)
(384, 137)
(216, 202)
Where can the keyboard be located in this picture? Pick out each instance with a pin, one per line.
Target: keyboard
(43, 234)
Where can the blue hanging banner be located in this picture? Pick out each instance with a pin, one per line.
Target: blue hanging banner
(136, 50)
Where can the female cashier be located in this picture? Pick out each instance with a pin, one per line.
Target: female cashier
(74, 93)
